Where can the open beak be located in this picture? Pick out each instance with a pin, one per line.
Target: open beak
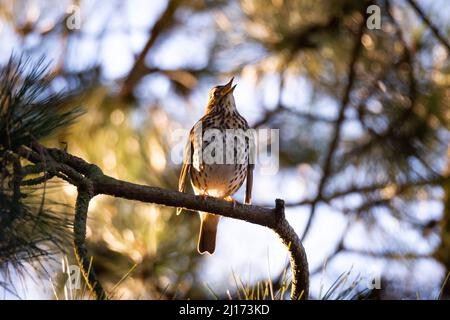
(228, 88)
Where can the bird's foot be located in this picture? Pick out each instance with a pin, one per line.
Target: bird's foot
(204, 196)
(234, 202)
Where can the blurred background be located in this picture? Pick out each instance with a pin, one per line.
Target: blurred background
(364, 155)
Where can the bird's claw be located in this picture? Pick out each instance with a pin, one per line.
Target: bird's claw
(234, 202)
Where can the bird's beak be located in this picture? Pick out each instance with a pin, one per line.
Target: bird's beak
(228, 88)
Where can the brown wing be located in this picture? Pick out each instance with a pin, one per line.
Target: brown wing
(250, 167)
(186, 167)
(249, 185)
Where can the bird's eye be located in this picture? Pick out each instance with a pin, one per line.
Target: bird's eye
(216, 93)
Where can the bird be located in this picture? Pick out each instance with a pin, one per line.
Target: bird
(211, 173)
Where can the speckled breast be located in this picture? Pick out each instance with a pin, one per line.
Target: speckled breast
(220, 158)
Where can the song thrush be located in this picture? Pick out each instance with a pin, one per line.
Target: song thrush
(207, 158)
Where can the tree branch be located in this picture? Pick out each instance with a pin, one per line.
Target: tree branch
(139, 68)
(327, 167)
(79, 230)
(91, 181)
(388, 254)
(442, 39)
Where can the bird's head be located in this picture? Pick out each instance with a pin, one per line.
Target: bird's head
(222, 97)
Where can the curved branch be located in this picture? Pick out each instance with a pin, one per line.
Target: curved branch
(91, 181)
(79, 231)
(270, 218)
(298, 260)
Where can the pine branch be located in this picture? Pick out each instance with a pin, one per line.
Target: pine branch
(79, 229)
(91, 181)
(29, 110)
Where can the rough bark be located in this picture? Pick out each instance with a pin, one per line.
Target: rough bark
(91, 181)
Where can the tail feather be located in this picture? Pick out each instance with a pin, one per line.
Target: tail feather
(208, 231)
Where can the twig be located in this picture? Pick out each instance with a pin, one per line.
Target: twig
(327, 167)
(388, 255)
(268, 115)
(442, 39)
(34, 181)
(399, 121)
(139, 68)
